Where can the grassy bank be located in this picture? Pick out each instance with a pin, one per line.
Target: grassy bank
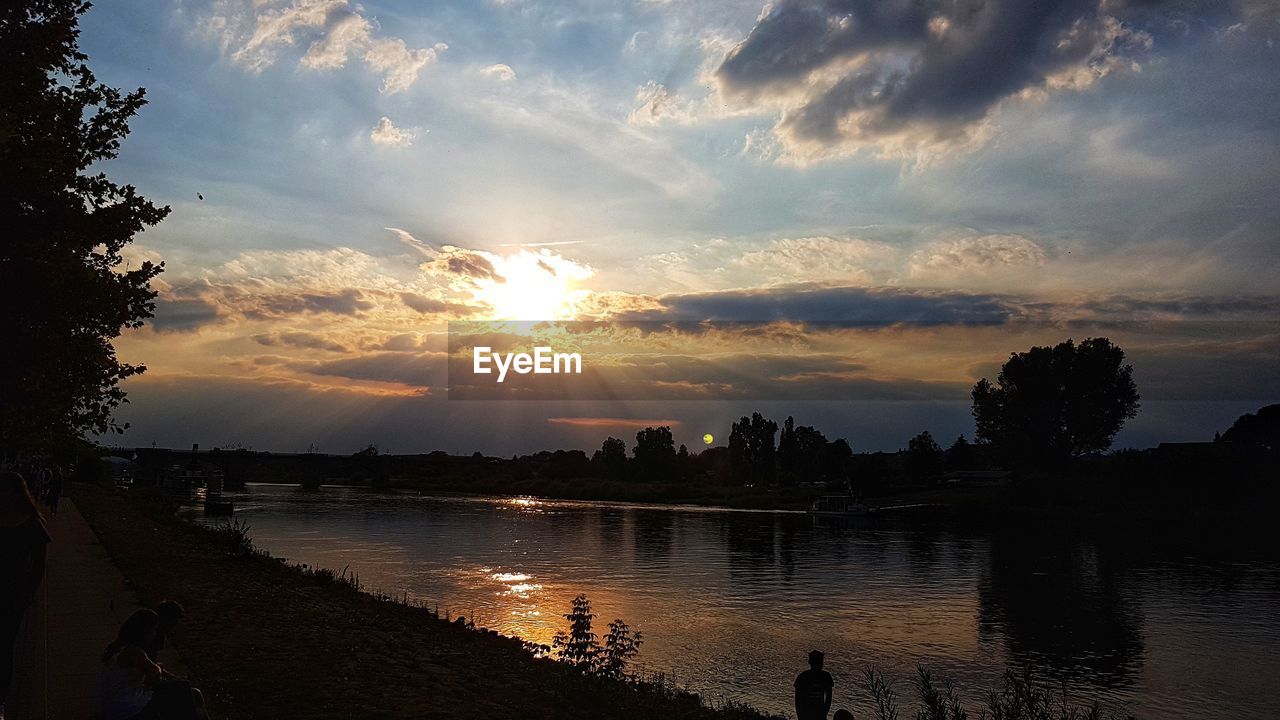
(268, 640)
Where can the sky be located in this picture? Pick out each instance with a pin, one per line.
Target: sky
(964, 179)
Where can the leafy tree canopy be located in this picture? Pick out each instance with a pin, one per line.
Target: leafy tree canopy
(1053, 403)
(66, 290)
(1260, 428)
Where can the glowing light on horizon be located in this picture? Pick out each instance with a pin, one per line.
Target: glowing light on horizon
(533, 286)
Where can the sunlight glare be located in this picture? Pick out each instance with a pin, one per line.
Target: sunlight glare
(534, 286)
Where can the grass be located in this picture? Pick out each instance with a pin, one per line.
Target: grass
(1022, 697)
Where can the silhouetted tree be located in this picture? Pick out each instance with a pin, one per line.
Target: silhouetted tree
(1053, 403)
(621, 646)
(1260, 428)
(684, 463)
(751, 450)
(578, 646)
(611, 459)
(809, 447)
(961, 455)
(65, 295)
(836, 461)
(924, 456)
(655, 453)
(788, 456)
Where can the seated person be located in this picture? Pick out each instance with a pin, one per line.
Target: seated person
(135, 688)
(169, 613)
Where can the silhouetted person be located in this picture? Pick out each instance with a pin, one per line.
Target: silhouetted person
(53, 494)
(813, 690)
(23, 542)
(169, 613)
(134, 688)
(842, 714)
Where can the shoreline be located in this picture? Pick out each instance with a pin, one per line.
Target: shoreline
(253, 621)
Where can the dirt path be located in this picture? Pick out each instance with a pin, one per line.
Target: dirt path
(77, 611)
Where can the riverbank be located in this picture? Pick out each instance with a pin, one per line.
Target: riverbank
(268, 640)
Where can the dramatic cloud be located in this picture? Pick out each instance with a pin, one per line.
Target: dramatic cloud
(345, 302)
(817, 303)
(907, 77)
(431, 306)
(456, 261)
(419, 370)
(183, 315)
(299, 339)
(254, 34)
(388, 135)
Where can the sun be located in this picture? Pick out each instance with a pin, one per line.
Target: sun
(533, 286)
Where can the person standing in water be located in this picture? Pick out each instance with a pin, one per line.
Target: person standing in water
(813, 690)
(23, 543)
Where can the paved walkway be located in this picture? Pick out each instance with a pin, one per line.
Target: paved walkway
(78, 610)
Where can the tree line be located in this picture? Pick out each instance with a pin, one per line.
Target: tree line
(1047, 406)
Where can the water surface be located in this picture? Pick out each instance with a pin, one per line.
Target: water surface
(732, 601)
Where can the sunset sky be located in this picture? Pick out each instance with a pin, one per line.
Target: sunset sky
(996, 174)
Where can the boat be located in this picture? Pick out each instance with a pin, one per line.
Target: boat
(840, 506)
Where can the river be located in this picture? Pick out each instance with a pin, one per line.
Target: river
(732, 601)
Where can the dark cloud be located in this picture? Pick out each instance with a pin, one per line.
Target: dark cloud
(346, 302)
(413, 369)
(183, 315)
(853, 72)
(808, 303)
(1186, 307)
(299, 339)
(460, 261)
(431, 306)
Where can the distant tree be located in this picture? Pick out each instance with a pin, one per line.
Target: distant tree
(1053, 403)
(924, 456)
(809, 447)
(788, 454)
(684, 463)
(836, 461)
(655, 453)
(611, 459)
(369, 466)
(961, 455)
(1260, 428)
(65, 295)
(751, 450)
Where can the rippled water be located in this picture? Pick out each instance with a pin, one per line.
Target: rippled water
(733, 601)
